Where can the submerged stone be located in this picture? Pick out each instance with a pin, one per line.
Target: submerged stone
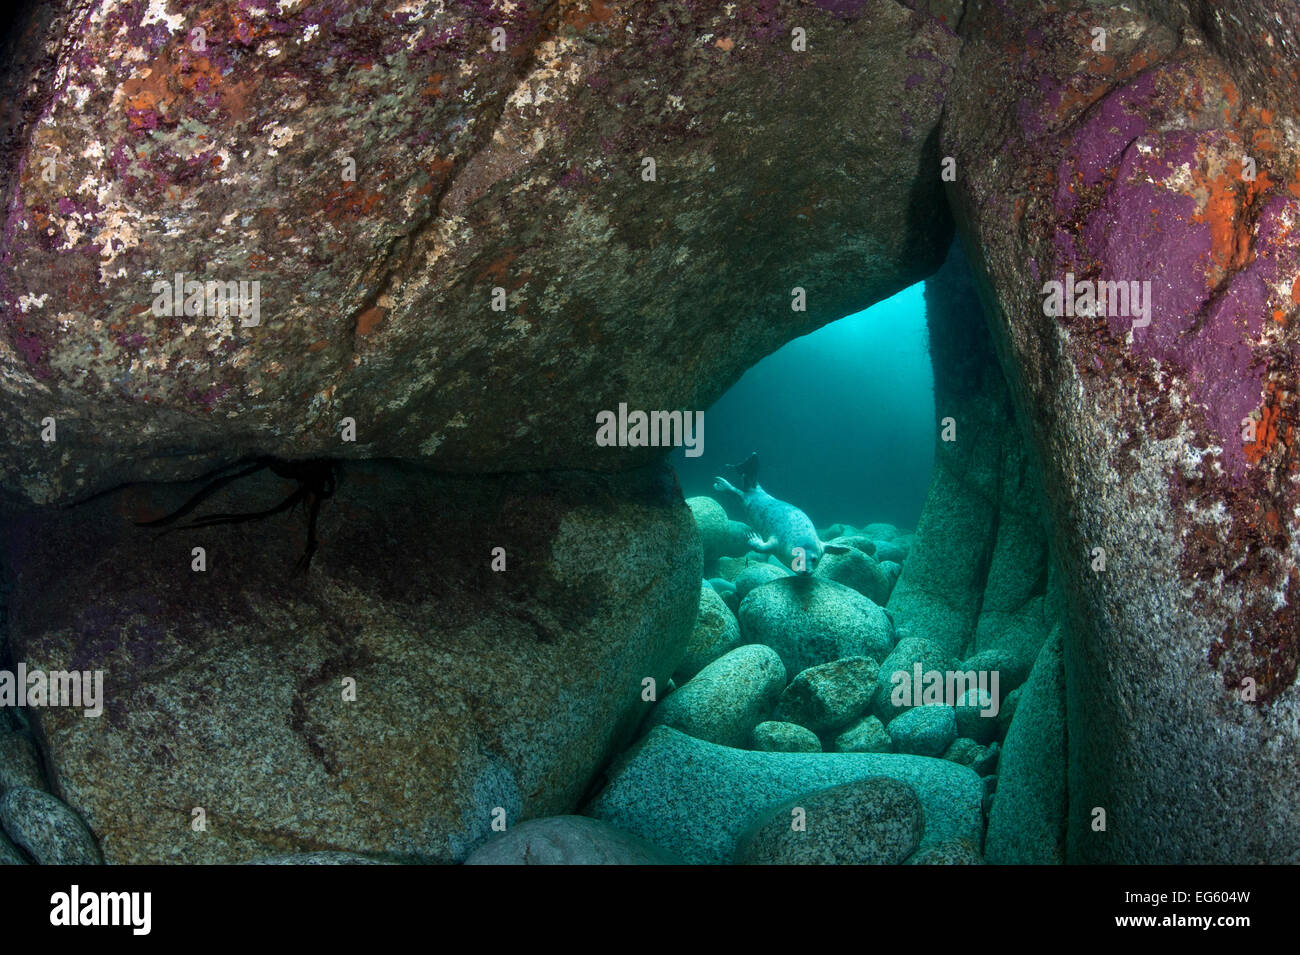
(810, 621)
(756, 575)
(716, 633)
(46, 829)
(319, 858)
(952, 852)
(408, 286)
(773, 736)
(857, 570)
(568, 840)
(727, 699)
(831, 695)
(1027, 823)
(402, 673)
(697, 799)
(874, 821)
(924, 730)
(867, 735)
(897, 672)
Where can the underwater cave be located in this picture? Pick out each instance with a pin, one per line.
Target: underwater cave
(844, 416)
(331, 530)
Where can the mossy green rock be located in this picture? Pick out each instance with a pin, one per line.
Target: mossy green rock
(774, 736)
(1027, 822)
(46, 828)
(696, 799)
(875, 821)
(727, 699)
(716, 632)
(475, 688)
(810, 621)
(829, 696)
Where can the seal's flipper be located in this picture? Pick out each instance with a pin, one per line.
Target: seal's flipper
(748, 470)
(722, 484)
(758, 545)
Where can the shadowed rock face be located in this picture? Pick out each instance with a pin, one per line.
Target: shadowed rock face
(476, 169)
(474, 689)
(977, 571)
(1129, 164)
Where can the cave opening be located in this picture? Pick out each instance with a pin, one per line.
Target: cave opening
(842, 419)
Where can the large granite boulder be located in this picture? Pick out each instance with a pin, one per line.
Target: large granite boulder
(1027, 821)
(388, 174)
(728, 698)
(876, 821)
(716, 633)
(394, 701)
(978, 565)
(1153, 147)
(810, 621)
(698, 799)
(46, 829)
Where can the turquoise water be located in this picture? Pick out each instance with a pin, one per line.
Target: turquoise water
(842, 419)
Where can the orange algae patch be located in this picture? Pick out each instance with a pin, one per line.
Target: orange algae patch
(1227, 194)
(499, 269)
(1267, 428)
(147, 92)
(597, 12)
(350, 201)
(370, 318)
(199, 69)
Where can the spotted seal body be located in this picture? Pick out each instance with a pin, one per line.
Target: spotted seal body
(782, 528)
